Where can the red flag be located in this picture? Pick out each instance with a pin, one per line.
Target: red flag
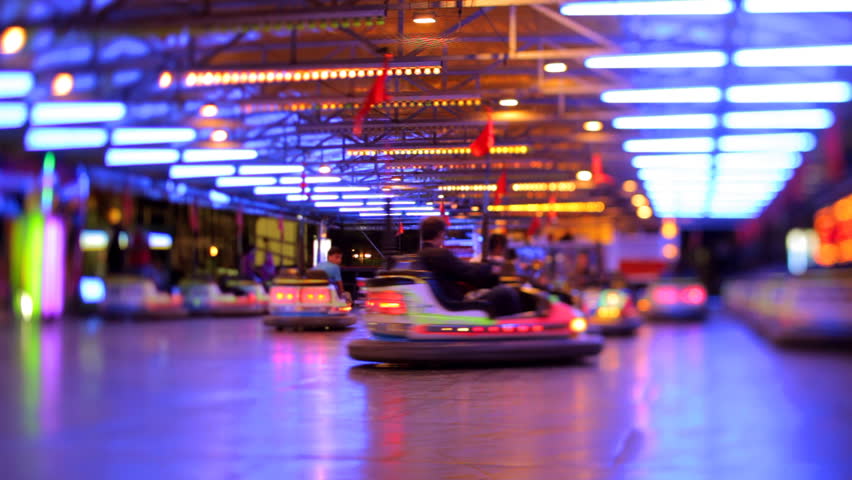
(483, 143)
(551, 214)
(598, 175)
(443, 214)
(501, 189)
(535, 225)
(377, 94)
(400, 230)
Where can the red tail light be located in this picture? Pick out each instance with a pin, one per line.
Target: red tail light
(386, 302)
(693, 295)
(316, 295)
(664, 295)
(284, 295)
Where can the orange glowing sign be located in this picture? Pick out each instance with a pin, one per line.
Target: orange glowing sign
(833, 225)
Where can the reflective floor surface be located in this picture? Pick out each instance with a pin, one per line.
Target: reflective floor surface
(227, 399)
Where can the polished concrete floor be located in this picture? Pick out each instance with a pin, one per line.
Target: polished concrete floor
(227, 399)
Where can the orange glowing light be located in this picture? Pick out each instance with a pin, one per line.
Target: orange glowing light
(578, 325)
(13, 40)
(165, 80)
(62, 85)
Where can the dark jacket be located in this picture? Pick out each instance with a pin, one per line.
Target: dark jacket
(448, 270)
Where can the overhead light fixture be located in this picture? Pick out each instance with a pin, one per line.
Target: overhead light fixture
(124, 157)
(768, 142)
(198, 155)
(673, 145)
(13, 114)
(496, 150)
(309, 179)
(340, 104)
(395, 202)
(424, 18)
(816, 118)
(209, 110)
(649, 7)
(697, 121)
(555, 67)
(232, 182)
(339, 189)
(12, 40)
(414, 208)
(706, 59)
(151, 135)
(644, 212)
(663, 95)
(16, 84)
(209, 78)
(337, 204)
(377, 214)
(508, 102)
(828, 55)
(324, 169)
(593, 126)
(816, 92)
(676, 161)
(364, 196)
(165, 80)
(769, 160)
(569, 207)
(64, 138)
(270, 169)
(276, 190)
(61, 113)
(304, 198)
(218, 198)
(492, 187)
(544, 187)
(584, 175)
(797, 6)
(62, 84)
(360, 209)
(218, 136)
(201, 171)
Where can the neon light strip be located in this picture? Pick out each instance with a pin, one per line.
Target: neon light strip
(772, 142)
(337, 204)
(229, 182)
(666, 7)
(13, 115)
(816, 118)
(817, 92)
(587, 207)
(62, 113)
(677, 161)
(208, 78)
(145, 136)
(218, 155)
(496, 150)
(201, 171)
(310, 180)
(53, 268)
(123, 157)
(270, 169)
(699, 121)
(218, 197)
(340, 105)
(829, 55)
(674, 145)
(708, 59)
(276, 190)
(16, 84)
(340, 189)
(797, 6)
(305, 198)
(64, 138)
(663, 95)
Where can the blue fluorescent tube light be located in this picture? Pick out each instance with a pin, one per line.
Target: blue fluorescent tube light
(309, 179)
(394, 202)
(361, 209)
(63, 113)
(697, 121)
(13, 114)
(276, 190)
(687, 161)
(15, 84)
(340, 189)
(364, 196)
(159, 241)
(745, 176)
(64, 138)
(433, 213)
(708, 59)
(774, 160)
(663, 95)
(231, 182)
(679, 175)
(198, 155)
(797, 6)
(305, 198)
(816, 92)
(380, 214)
(414, 208)
(815, 118)
(218, 197)
(201, 171)
(337, 204)
(152, 135)
(124, 157)
(673, 145)
(270, 169)
(768, 142)
(648, 7)
(818, 56)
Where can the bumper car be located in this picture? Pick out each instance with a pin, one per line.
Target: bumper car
(674, 300)
(131, 295)
(231, 296)
(307, 303)
(610, 311)
(414, 323)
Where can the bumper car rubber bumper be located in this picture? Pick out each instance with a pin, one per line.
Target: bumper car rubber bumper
(553, 350)
(625, 327)
(309, 321)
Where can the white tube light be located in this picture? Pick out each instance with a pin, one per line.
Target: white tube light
(697, 121)
(673, 145)
(198, 155)
(648, 7)
(16, 84)
(232, 182)
(310, 180)
(125, 157)
(688, 161)
(361, 209)
(340, 189)
(708, 59)
(815, 118)
(337, 204)
(797, 6)
(364, 196)
(663, 95)
(395, 202)
(13, 115)
(218, 197)
(768, 142)
(64, 138)
(151, 135)
(816, 92)
(305, 198)
(770, 160)
(423, 214)
(63, 113)
(818, 56)
(270, 169)
(379, 214)
(159, 241)
(414, 209)
(276, 190)
(201, 171)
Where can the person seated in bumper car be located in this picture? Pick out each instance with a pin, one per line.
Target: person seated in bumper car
(332, 268)
(448, 270)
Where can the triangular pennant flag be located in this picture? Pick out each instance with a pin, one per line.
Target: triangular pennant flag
(535, 225)
(444, 214)
(501, 189)
(377, 94)
(400, 230)
(598, 175)
(551, 214)
(483, 143)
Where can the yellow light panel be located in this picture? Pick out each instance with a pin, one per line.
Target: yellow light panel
(544, 187)
(497, 150)
(468, 188)
(210, 78)
(567, 207)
